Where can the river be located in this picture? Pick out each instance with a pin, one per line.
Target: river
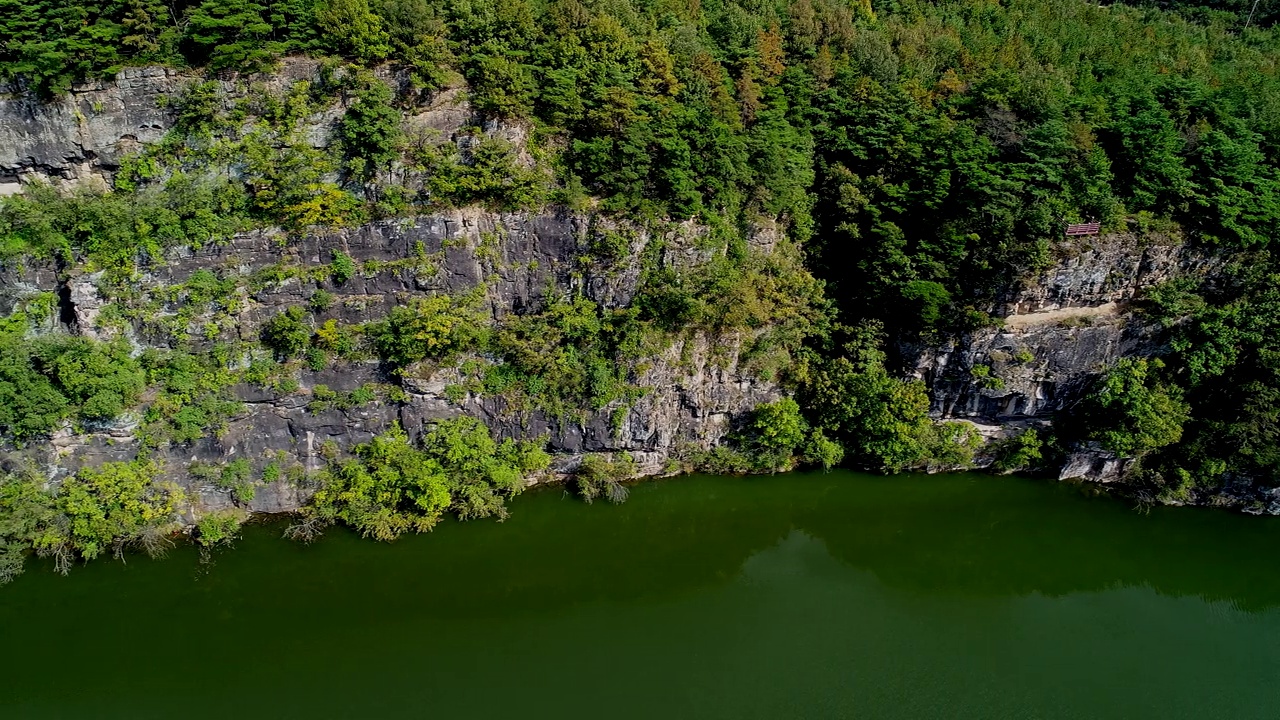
(834, 595)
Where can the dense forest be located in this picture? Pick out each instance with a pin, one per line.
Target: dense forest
(920, 156)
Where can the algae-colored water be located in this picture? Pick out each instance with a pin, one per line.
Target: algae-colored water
(793, 596)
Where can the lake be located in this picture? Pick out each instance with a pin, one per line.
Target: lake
(806, 595)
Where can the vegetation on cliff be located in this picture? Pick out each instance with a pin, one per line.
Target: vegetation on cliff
(917, 157)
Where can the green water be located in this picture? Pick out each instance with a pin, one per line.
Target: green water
(799, 596)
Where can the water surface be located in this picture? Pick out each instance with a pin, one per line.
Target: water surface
(791, 596)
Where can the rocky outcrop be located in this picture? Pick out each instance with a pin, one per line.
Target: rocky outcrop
(694, 388)
(82, 135)
(1059, 330)
(1056, 331)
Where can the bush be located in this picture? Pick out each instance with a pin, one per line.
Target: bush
(28, 517)
(601, 474)
(370, 129)
(46, 380)
(287, 334)
(112, 506)
(775, 433)
(435, 327)
(321, 300)
(391, 487)
(1019, 452)
(218, 528)
(342, 268)
(1130, 412)
(233, 476)
(482, 472)
(340, 339)
(101, 379)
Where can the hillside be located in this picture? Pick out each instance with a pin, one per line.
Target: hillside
(376, 261)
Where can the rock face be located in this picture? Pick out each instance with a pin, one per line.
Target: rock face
(83, 134)
(695, 387)
(1060, 330)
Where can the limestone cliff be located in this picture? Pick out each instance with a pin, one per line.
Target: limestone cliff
(1059, 328)
(692, 388)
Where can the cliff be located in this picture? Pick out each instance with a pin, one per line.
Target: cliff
(1058, 329)
(687, 393)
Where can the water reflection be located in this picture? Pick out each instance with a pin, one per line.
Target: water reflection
(802, 596)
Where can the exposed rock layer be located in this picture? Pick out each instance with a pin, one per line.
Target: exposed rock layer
(1061, 327)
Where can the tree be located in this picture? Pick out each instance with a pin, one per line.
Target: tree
(231, 35)
(351, 29)
(426, 328)
(370, 129)
(1131, 413)
(113, 505)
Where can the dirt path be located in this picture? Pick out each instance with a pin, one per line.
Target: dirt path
(1048, 317)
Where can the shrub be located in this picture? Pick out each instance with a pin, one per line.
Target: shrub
(482, 472)
(433, 327)
(27, 512)
(320, 300)
(112, 506)
(287, 334)
(1019, 452)
(775, 434)
(342, 268)
(391, 487)
(218, 528)
(340, 339)
(370, 129)
(1130, 412)
(601, 474)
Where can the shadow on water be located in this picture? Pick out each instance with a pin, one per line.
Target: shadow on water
(745, 597)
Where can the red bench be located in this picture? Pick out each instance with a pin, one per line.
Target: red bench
(1084, 229)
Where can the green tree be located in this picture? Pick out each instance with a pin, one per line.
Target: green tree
(351, 29)
(114, 505)
(287, 334)
(433, 327)
(231, 35)
(370, 129)
(1131, 413)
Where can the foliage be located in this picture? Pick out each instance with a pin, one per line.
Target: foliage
(230, 35)
(114, 505)
(29, 518)
(287, 334)
(482, 472)
(342, 268)
(46, 380)
(233, 476)
(1131, 413)
(604, 475)
(391, 487)
(1020, 452)
(475, 169)
(777, 433)
(192, 399)
(370, 128)
(881, 421)
(218, 528)
(115, 230)
(433, 327)
(350, 28)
